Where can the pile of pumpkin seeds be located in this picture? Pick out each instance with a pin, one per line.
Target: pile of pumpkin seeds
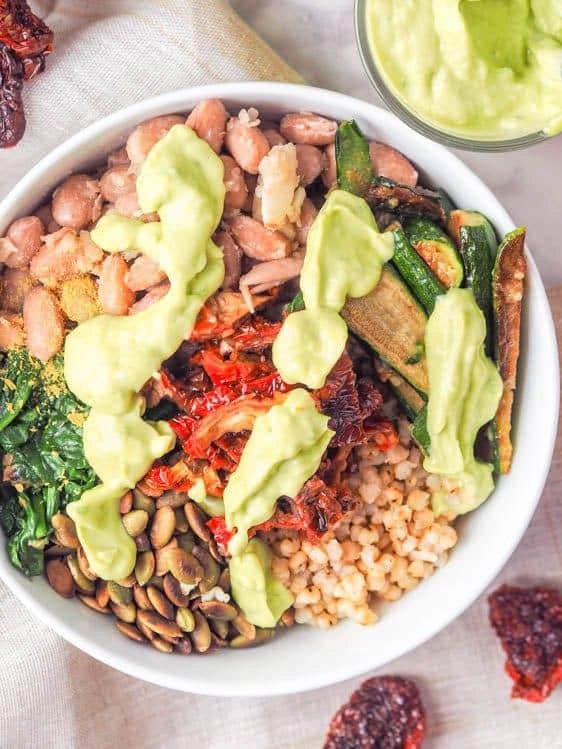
(178, 597)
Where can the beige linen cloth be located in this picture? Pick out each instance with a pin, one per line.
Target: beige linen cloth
(109, 54)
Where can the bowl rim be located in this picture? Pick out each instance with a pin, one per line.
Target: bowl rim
(318, 98)
(407, 115)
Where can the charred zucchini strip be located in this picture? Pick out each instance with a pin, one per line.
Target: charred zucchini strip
(434, 246)
(411, 400)
(353, 161)
(424, 285)
(393, 324)
(507, 286)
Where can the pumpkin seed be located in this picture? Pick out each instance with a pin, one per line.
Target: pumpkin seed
(141, 598)
(148, 633)
(82, 582)
(163, 526)
(142, 502)
(211, 570)
(102, 593)
(184, 566)
(182, 526)
(244, 627)
(157, 582)
(135, 522)
(201, 635)
(118, 594)
(220, 628)
(185, 619)
(172, 588)
(142, 542)
(186, 540)
(183, 646)
(217, 642)
(218, 610)
(161, 645)
(130, 631)
(85, 565)
(92, 603)
(160, 602)
(262, 635)
(161, 555)
(127, 582)
(65, 531)
(171, 499)
(214, 551)
(126, 503)
(60, 578)
(144, 568)
(127, 612)
(159, 624)
(224, 580)
(197, 521)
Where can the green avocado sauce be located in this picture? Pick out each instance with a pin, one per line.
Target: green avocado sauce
(283, 451)
(259, 594)
(345, 253)
(108, 359)
(488, 69)
(464, 392)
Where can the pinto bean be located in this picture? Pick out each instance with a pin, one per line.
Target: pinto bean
(246, 143)
(65, 254)
(77, 202)
(329, 172)
(118, 158)
(145, 135)
(152, 296)
(258, 242)
(236, 190)
(22, 241)
(274, 137)
(265, 276)
(144, 273)
(15, 284)
(232, 255)
(115, 296)
(308, 213)
(390, 163)
(208, 119)
(12, 333)
(310, 162)
(116, 182)
(43, 322)
(45, 214)
(308, 128)
(128, 205)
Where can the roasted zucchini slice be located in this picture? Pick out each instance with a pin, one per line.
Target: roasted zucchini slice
(507, 286)
(392, 323)
(434, 246)
(424, 285)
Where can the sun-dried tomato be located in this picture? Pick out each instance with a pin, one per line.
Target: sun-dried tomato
(266, 385)
(201, 405)
(386, 712)
(347, 402)
(236, 368)
(256, 335)
(383, 434)
(25, 34)
(12, 117)
(183, 426)
(221, 533)
(178, 477)
(315, 509)
(528, 622)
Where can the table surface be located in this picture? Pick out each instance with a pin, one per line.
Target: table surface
(317, 38)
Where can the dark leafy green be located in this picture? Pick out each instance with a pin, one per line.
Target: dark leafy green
(43, 451)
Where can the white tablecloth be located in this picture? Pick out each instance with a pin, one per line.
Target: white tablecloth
(52, 696)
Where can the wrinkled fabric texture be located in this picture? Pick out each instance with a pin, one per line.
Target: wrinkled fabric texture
(52, 696)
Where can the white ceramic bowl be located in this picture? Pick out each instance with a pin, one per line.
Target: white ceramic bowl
(305, 658)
